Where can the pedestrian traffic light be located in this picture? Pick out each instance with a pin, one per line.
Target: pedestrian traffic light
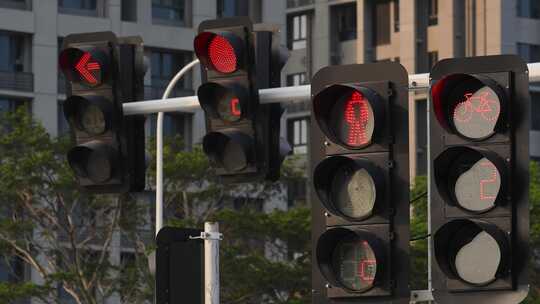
(102, 72)
(179, 266)
(479, 148)
(242, 139)
(360, 194)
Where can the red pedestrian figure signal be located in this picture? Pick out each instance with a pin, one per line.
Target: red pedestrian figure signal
(357, 116)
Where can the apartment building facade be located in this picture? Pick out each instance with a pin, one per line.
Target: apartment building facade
(31, 35)
(415, 33)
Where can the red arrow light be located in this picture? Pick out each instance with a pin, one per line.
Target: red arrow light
(85, 68)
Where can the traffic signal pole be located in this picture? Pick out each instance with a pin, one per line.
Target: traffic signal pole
(417, 82)
(296, 94)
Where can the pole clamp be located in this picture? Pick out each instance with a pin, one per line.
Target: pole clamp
(214, 236)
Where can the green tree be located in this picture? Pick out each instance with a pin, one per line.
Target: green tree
(65, 236)
(265, 256)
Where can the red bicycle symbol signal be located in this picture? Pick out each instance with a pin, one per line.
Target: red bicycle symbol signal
(480, 103)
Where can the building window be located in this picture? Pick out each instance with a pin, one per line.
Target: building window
(11, 269)
(433, 12)
(10, 105)
(421, 137)
(296, 192)
(174, 125)
(171, 11)
(232, 8)
(18, 4)
(78, 7)
(298, 32)
(433, 57)
(296, 79)
(297, 130)
(396, 15)
(129, 10)
(345, 18)
(528, 8)
(11, 53)
(165, 64)
(535, 110)
(382, 23)
(529, 52)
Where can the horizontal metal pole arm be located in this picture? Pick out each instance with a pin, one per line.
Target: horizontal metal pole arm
(274, 95)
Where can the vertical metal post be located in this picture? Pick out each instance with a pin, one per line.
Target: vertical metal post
(211, 263)
(429, 174)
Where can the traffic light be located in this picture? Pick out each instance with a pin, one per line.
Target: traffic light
(360, 174)
(479, 148)
(179, 266)
(242, 139)
(101, 73)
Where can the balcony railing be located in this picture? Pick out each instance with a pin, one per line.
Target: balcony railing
(155, 92)
(18, 81)
(22, 5)
(297, 3)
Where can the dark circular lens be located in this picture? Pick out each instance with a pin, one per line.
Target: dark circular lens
(353, 192)
(234, 157)
(354, 264)
(229, 108)
(477, 261)
(475, 110)
(352, 120)
(99, 167)
(477, 182)
(92, 119)
(93, 161)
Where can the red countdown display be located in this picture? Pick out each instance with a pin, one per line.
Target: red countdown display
(355, 265)
(230, 109)
(478, 185)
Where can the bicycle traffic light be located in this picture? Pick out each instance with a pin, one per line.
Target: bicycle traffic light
(101, 73)
(479, 148)
(242, 139)
(360, 173)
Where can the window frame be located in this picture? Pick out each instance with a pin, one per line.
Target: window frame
(297, 36)
(300, 146)
(182, 13)
(433, 12)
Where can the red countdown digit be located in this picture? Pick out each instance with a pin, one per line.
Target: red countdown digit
(485, 182)
(235, 102)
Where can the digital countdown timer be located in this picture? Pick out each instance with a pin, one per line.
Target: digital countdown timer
(355, 264)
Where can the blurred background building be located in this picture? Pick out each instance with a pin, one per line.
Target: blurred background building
(416, 33)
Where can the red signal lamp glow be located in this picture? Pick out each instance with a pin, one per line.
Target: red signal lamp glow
(469, 106)
(84, 67)
(349, 115)
(220, 52)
